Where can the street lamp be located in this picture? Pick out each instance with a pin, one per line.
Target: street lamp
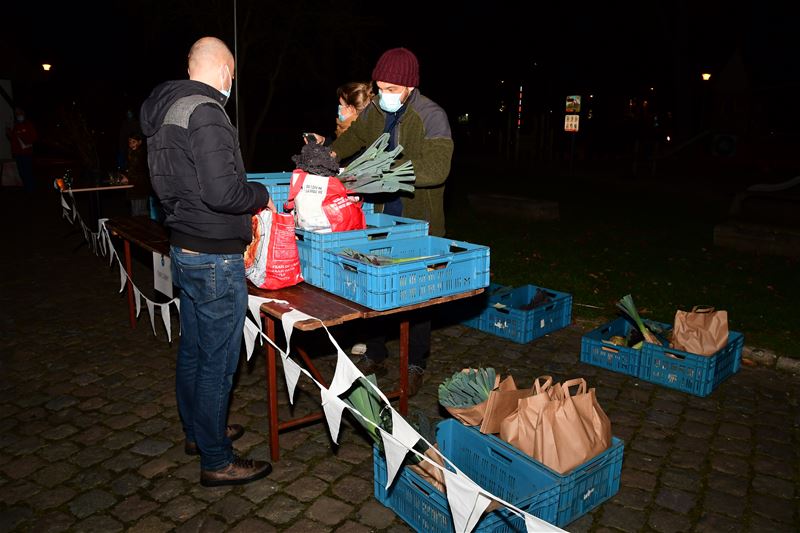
(46, 67)
(706, 76)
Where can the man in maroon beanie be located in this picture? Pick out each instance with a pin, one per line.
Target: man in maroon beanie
(421, 127)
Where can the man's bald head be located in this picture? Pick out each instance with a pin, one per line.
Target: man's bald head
(207, 59)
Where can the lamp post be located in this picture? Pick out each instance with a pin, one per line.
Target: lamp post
(46, 67)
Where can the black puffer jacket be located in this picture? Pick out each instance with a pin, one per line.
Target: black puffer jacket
(197, 171)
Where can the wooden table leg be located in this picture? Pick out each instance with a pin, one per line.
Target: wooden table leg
(272, 392)
(129, 270)
(404, 338)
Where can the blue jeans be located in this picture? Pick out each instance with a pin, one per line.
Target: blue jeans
(213, 296)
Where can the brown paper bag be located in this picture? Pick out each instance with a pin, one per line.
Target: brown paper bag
(516, 427)
(571, 428)
(501, 403)
(430, 473)
(702, 330)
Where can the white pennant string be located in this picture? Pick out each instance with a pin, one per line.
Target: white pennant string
(344, 375)
(123, 276)
(403, 432)
(396, 453)
(333, 407)
(150, 309)
(177, 302)
(467, 504)
(167, 321)
(289, 319)
(64, 203)
(291, 371)
(137, 296)
(250, 334)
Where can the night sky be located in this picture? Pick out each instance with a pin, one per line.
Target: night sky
(109, 55)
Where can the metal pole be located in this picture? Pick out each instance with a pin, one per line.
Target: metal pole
(236, 60)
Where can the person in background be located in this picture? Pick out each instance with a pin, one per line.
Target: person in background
(421, 127)
(22, 137)
(197, 171)
(353, 98)
(136, 174)
(129, 126)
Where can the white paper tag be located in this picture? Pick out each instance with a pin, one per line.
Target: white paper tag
(162, 274)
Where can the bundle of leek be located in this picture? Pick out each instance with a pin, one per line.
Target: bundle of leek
(371, 172)
(379, 260)
(467, 388)
(627, 306)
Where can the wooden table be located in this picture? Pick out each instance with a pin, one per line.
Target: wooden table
(330, 309)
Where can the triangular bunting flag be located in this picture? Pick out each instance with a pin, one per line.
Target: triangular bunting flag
(167, 321)
(395, 455)
(137, 296)
(150, 309)
(466, 502)
(64, 203)
(250, 334)
(123, 277)
(254, 304)
(537, 525)
(288, 320)
(291, 371)
(333, 407)
(345, 374)
(402, 430)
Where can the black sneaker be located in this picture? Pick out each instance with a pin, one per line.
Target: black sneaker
(239, 472)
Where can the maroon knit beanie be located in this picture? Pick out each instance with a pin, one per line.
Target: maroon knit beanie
(398, 66)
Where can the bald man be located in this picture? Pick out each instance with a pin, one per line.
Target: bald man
(198, 174)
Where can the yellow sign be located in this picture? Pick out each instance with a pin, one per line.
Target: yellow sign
(571, 123)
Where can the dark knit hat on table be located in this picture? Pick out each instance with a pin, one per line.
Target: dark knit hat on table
(398, 66)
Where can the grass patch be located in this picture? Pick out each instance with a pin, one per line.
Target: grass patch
(651, 239)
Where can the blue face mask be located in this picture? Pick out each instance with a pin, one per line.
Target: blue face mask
(390, 101)
(342, 118)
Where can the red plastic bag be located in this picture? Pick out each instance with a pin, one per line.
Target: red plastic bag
(321, 204)
(271, 260)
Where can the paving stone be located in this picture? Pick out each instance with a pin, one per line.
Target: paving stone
(61, 402)
(638, 479)
(773, 486)
(687, 480)
(147, 410)
(127, 484)
(22, 467)
(622, 518)
(13, 517)
(734, 431)
(120, 462)
(167, 490)
(151, 447)
(280, 509)
(633, 498)
(54, 522)
(714, 523)
(306, 489)
(91, 456)
(121, 421)
(724, 504)
(156, 467)
(151, 524)
(769, 466)
(374, 514)
(732, 446)
(258, 492)
(733, 485)
(730, 464)
(687, 459)
(209, 494)
(181, 508)
(92, 404)
(51, 498)
(98, 524)
(643, 462)
(697, 429)
(353, 489)
(232, 508)
(253, 525)
(329, 511)
(152, 426)
(90, 502)
(121, 439)
(58, 451)
(304, 525)
(667, 522)
(676, 500)
(132, 508)
(776, 509)
(18, 491)
(353, 527)
(762, 524)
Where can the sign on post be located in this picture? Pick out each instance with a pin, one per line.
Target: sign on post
(571, 123)
(574, 103)
(162, 274)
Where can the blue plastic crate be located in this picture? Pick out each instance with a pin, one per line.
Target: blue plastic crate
(277, 183)
(586, 486)
(380, 228)
(606, 355)
(446, 267)
(504, 314)
(513, 477)
(689, 372)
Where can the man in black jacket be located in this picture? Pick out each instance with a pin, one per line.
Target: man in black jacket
(197, 171)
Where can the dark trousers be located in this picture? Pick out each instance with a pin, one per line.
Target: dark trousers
(25, 170)
(419, 338)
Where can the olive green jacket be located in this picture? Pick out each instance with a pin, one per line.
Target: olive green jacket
(424, 134)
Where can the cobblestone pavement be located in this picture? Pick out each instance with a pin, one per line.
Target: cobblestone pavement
(90, 438)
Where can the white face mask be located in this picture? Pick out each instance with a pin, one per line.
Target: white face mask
(226, 93)
(390, 102)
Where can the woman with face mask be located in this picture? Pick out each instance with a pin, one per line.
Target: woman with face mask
(353, 98)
